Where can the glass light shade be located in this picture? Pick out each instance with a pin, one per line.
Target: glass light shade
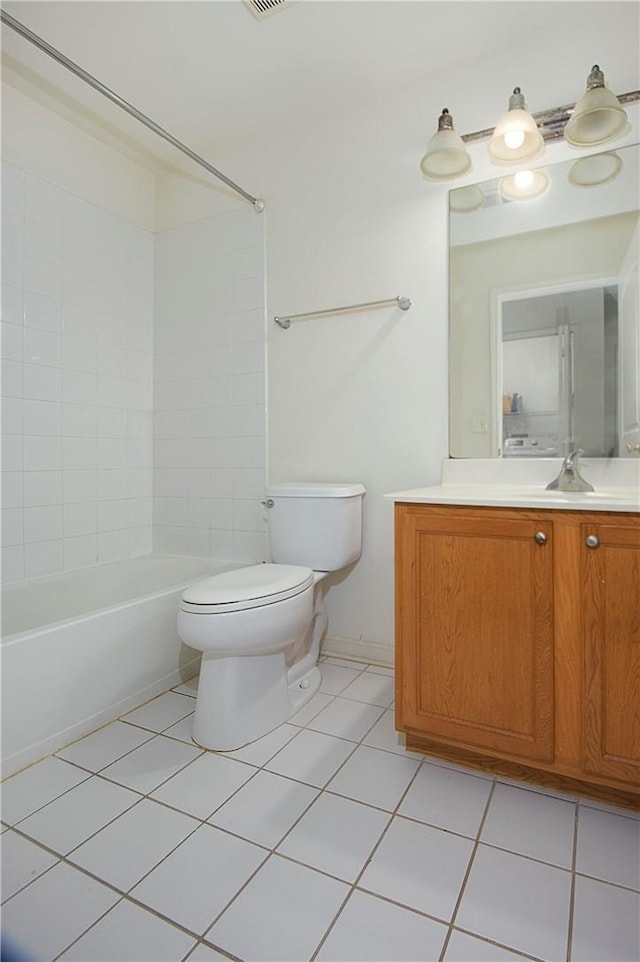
(524, 185)
(446, 155)
(595, 170)
(597, 117)
(465, 199)
(516, 138)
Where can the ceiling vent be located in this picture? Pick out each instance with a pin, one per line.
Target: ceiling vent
(264, 8)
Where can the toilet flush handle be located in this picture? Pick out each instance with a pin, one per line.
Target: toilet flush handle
(268, 503)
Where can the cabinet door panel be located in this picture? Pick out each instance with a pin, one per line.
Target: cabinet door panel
(611, 637)
(478, 670)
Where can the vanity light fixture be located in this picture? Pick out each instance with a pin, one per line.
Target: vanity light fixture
(598, 116)
(446, 155)
(520, 136)
(516, 139)
(524, 185)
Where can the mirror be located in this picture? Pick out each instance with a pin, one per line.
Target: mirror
(543, 310)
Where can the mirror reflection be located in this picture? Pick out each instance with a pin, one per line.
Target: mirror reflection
(544, 311)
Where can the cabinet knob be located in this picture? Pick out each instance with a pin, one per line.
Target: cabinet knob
(591, 541)
(540, 537)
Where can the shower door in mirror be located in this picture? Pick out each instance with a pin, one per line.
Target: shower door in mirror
(557, 357)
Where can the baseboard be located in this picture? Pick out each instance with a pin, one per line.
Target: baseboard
(373, 652)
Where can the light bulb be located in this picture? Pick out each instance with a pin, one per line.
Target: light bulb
(524, 179)
(514, 139)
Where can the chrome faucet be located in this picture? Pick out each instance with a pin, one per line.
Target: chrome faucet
(570, 478)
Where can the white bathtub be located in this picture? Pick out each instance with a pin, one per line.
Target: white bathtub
(81, 648)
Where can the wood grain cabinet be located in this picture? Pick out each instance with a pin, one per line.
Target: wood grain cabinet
(518, 642)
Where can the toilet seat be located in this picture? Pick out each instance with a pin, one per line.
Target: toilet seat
(251, 587)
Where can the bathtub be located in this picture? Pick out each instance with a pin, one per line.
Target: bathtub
(81, 648)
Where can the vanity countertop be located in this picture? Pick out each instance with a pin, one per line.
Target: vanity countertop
(522, 496)
(521, 483)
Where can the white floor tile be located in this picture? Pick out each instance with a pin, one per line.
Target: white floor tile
(372, 930)
(161, 712)
(29, 790)
(531, 824)
(605, 923)
(609, 847)
(371, 688)
(375, 777)
(384, 735)
(70, 819)
(311, 757)
(129, 933)
(64, 902)
(336, 836)
(290, 908)
(204, 785)
(128, 848)
(419, 866)
(259, 752)
(336, 677)
(195, 882)
(153, 763)
(447, 799)
(265, 808)
(466, 948)
(182, 730)
(346, 719)
(319, 701)
(22, 862)
(517, 902)
(105, 746)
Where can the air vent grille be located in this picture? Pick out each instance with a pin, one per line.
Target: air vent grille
(264, 8)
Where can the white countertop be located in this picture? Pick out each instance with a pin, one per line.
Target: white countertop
(521, 496)
(522, 484)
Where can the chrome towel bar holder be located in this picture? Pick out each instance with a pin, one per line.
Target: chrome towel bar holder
(284, 321)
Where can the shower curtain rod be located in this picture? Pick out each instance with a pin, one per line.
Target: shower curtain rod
(123, 104)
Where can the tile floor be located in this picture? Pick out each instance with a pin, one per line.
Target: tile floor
(325, 840)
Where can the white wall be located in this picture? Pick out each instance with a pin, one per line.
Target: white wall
(349, 218)
(77, 299)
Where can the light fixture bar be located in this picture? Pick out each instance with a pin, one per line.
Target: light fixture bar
(551, 123)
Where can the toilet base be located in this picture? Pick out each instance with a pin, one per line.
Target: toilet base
(240, 699)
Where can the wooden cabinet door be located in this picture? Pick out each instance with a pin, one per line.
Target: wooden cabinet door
(611, 639)
(474, 603)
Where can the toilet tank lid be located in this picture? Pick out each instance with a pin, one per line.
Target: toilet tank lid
(314, 489)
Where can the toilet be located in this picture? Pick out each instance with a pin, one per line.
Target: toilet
(259, 627)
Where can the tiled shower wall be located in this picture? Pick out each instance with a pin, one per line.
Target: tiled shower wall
(209, 470)
(78, 472)
(77, 342)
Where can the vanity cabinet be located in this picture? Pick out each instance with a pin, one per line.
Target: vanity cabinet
(518, 640)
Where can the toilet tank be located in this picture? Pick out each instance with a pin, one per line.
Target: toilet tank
(315, 525)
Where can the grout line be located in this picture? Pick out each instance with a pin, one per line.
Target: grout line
(574, 859)
(467, 874)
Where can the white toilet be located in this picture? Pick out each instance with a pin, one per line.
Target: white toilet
(259, 628)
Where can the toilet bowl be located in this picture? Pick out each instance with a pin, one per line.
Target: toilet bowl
(259, 628)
